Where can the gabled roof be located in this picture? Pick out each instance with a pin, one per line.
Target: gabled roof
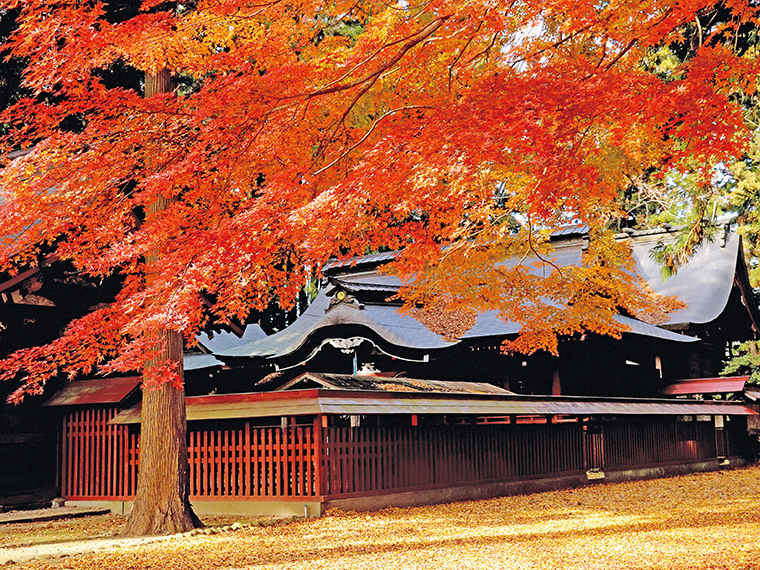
(386, 384)
(384, 320)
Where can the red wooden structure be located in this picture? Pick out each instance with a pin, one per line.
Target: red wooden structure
(100, 460)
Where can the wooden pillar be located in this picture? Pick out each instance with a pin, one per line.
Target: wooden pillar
(556, 386)
(319, 474)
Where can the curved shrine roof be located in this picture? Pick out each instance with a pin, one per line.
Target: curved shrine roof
(704, 285)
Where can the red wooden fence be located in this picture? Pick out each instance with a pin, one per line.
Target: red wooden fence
(97, 459)
(253, 462)
(100, 460)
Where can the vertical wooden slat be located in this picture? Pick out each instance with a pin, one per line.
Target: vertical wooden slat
(298, 462)
(131, 461)
(81, 442)
(279, 462)
(110, 429)
(124, 471)
(256, 464)
(268, 473)
(65, 454)
(362, 467)
(239, 466)
(214, 460)
(204, 462)
(224, 461)
(289, 460)
(318, 443)
(270, 481)
(79, 467)
(387, 450)
(84, 474)
(97, 468)
(192, 454)
(247, 460)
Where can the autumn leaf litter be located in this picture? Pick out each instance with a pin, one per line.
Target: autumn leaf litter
(698, 521)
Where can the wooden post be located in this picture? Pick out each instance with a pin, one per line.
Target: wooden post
(319, 474)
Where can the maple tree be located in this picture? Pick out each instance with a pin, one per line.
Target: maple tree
(304, 130)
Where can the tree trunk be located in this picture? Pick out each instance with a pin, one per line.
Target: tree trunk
(162, 504)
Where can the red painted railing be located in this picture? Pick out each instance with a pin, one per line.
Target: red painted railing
(100, 460)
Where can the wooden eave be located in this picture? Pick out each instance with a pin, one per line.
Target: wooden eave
(351, 402)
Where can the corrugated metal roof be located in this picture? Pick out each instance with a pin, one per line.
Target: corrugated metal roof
(571, 230)
(706, 386)
(103, 391)
(353, 286)
(755, 396)
(347, 402)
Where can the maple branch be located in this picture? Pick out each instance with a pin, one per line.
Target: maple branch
(624, 51)
(461, 53)
(484, 51)
(323, 143)
(370, 79)
(604, 51)
(369, 132)
(535, 252)
(412, 41)
(555, 45)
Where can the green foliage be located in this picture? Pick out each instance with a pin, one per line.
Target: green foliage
(744, 198)
(746, 362)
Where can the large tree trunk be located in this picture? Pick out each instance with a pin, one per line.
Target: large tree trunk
(162, 504)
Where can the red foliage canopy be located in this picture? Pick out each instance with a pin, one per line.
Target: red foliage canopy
(308, 129)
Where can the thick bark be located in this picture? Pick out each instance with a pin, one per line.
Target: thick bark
(162, 504)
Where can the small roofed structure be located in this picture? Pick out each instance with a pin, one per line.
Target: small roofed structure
(701, 387)
(96, 392)
(370, 382)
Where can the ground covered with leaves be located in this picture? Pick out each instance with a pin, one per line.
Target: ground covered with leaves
(697, 521)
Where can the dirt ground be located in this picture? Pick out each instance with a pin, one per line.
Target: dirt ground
(708, 520)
